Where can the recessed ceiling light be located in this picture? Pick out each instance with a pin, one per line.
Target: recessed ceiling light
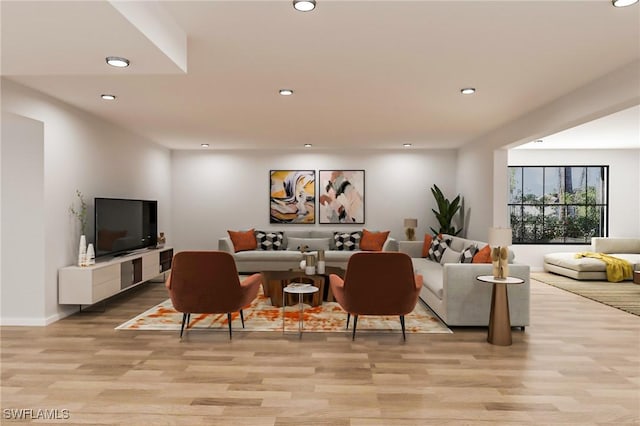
(468, 91)
(286, 92)
(307, 145)
(108, 97)
(623, 3)
(116, 61)
(204, 145)
(538, 141)
(304, 5)
(406, 145)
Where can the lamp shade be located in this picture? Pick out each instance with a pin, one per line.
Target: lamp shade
(411, 223)
(499, 237)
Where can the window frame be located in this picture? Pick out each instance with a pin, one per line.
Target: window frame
(603, 205)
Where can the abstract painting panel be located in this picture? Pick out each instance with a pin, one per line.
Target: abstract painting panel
(341, 196)
(292, 196)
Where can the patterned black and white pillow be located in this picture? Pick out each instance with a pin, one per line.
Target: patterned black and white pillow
(347, 241)
(269, 240)
(437, 249)
(468, 253)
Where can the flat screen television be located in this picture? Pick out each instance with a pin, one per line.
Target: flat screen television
(122, 225)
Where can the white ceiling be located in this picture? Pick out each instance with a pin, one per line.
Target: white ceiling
(616, 131)
(371, 74)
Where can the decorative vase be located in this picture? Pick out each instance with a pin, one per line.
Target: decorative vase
(161, 240)
(500, 262)
(320, 267)
(82, 251)
(310, 262)
(90, 257)
(303, 264)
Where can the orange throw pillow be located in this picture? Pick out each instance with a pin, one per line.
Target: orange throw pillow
(373, 241)
(483, 255)
(243, 240)
(427, 243)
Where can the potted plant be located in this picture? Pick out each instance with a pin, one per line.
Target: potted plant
(446, 212)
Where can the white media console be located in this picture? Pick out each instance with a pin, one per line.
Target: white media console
(86, 285)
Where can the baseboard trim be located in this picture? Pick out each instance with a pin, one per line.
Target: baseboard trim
(61, 314)
(27, 322)
(36, 322)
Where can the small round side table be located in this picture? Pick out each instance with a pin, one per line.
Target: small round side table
(499, 321)
(300, 289)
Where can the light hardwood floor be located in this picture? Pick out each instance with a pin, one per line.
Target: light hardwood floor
(578, 363)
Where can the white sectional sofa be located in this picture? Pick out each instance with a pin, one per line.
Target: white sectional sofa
(586, 268)
(453, 293)
(289, 257)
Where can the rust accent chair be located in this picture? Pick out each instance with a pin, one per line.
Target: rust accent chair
(206, 282)
(377, 283)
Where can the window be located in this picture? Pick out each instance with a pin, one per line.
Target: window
(558, 204)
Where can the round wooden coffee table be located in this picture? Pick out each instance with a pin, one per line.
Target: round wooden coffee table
(274, 281)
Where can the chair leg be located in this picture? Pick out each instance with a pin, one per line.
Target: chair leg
(355, 323)
(184, 320)
(404, 337)
(229, 321)
(242, 318)
(348, 319)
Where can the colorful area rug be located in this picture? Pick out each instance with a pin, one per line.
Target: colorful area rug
(262, 316)
(623, 295)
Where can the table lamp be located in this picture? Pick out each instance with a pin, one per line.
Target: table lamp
(500, 240)
(410, 226)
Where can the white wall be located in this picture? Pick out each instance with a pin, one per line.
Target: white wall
(474, 176)
(23, 257)
(481, 166)
(86, 153)
(624, 192)
(478, 164)
(215, 191)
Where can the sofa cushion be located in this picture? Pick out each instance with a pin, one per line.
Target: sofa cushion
(450, 256)
(269, 255)
(269, 240)
(457, 243)
(347, 241)
(587, 264)
(338, 256)
(294, 244)
(324, 234)
(610, 245)
(373, 241)
(468, 253)
(243, 240)
(431, 274)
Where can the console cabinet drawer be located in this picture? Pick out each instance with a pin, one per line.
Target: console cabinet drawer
(90, 284)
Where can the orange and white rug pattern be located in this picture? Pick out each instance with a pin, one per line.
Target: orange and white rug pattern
(260, 315)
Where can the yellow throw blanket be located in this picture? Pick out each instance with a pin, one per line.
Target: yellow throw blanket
(617, 269)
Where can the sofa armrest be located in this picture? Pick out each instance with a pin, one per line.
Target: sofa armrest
(615, 245)
(464, 294)
(412, 248)
(390, 245)
(225, 244)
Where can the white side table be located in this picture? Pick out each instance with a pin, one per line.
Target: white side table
(499, 321)
(300, 289)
